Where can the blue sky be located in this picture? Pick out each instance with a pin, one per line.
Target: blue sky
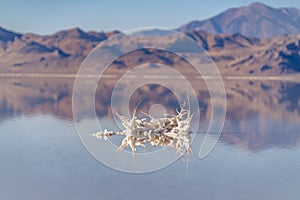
(48, 16)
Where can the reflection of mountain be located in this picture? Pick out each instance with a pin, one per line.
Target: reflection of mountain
(245, 98)
(262, 115)
(259, 113)
(5, 109)
(37, 96)
(257, 133)
(291, 94)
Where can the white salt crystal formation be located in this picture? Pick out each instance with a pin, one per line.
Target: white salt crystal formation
(171, 131)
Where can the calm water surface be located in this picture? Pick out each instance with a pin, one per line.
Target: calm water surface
(257, 156)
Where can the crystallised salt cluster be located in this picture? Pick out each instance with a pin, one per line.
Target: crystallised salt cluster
(171, 130)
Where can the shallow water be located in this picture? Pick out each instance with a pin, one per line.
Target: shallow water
(257, 156)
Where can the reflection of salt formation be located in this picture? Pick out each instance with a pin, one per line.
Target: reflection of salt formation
(171, 131)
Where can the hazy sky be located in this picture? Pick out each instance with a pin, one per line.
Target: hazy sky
(48, 16)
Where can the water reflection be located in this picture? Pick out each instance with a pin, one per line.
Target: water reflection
(290, 94)
(5, 109)
(36, 96)
(260, 114)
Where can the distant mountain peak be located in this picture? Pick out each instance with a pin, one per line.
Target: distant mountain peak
(255, 20)
(80, 34)
(73, 32)
(258, 4)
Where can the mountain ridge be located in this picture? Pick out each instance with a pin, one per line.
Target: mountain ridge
(256, 20)
(234, 54)
(6, 35)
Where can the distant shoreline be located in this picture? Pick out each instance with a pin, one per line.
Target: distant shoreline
(293, 77)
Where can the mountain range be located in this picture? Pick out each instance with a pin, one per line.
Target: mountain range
(251, 40)
(256, 20)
